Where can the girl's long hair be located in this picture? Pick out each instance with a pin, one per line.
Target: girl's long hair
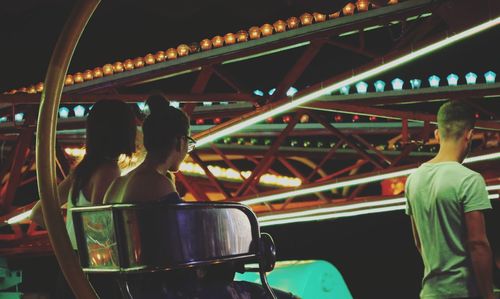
(110, 132)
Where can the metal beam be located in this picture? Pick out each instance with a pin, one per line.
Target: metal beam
(393, 114)
(210, 176)
(227, 78)
(197, 193)
(346, 139)
(331, 176)
(325, 159)
(199, 86)
(18, 158)
(267, 159)
(8, 99)
(298, 68)
(357, 50)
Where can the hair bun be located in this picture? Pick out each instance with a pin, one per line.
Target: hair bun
(157, 104)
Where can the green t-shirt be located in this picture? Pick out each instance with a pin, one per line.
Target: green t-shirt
(438, 196)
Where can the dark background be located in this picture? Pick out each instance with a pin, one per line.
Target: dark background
(375, 253)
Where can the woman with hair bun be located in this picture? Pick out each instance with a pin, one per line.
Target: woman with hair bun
(167, 141)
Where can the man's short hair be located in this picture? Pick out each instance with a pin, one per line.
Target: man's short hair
(454, 118)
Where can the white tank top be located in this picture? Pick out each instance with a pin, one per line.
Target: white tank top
(81, 202)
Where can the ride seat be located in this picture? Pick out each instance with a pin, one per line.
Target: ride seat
(154, 237)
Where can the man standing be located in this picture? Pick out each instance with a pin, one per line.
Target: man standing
(445, 204)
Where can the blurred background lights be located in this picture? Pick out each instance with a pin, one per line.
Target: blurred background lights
(19, 116)
(471, 78)
(434, 81)
(397, 84)
(345, 90)
(291, 91)
(452, 79)
(490, 77)
(415, 83)
(258, 92)
(63, 112)
(79, 111)
(362, 87)
(379, 86)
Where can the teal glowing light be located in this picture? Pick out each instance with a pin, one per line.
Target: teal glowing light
(490, 77)
(397, 84)
(207, 104)
(141, 105)
(258, 92)
(3, 119)
(415, 83)
(19, 116)
(379, 86)
(434, 81)
(271, 91)
(291, 91)
(313, 279)
(362, 87)
(345, 90)
(471, 78)
(452, 79)
(79, 111)
(211, 135)
(175, 104)
(224, 103)
(63, 112)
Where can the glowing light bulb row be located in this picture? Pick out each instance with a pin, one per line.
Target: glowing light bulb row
(434, 81)
(254, 32)
(320, 143)
(193, 168)
(64, 112)
(231, 174)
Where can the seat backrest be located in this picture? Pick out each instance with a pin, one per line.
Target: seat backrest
(161, 236)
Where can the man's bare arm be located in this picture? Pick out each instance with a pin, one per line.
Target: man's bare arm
(415, 236)
(480, 252)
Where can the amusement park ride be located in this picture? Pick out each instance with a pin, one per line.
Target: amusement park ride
(333, 134)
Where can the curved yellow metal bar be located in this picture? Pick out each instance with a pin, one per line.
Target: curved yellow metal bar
(45, 147)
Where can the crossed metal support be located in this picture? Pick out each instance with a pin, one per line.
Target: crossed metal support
(13, 168)
(267, 160)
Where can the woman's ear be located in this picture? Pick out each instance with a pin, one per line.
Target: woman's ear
(436, 135)
(470, 134)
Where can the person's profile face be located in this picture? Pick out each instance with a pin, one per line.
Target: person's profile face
(181, 152)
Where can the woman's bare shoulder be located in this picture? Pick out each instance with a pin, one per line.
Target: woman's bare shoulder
(154, 185)
(143, 186)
